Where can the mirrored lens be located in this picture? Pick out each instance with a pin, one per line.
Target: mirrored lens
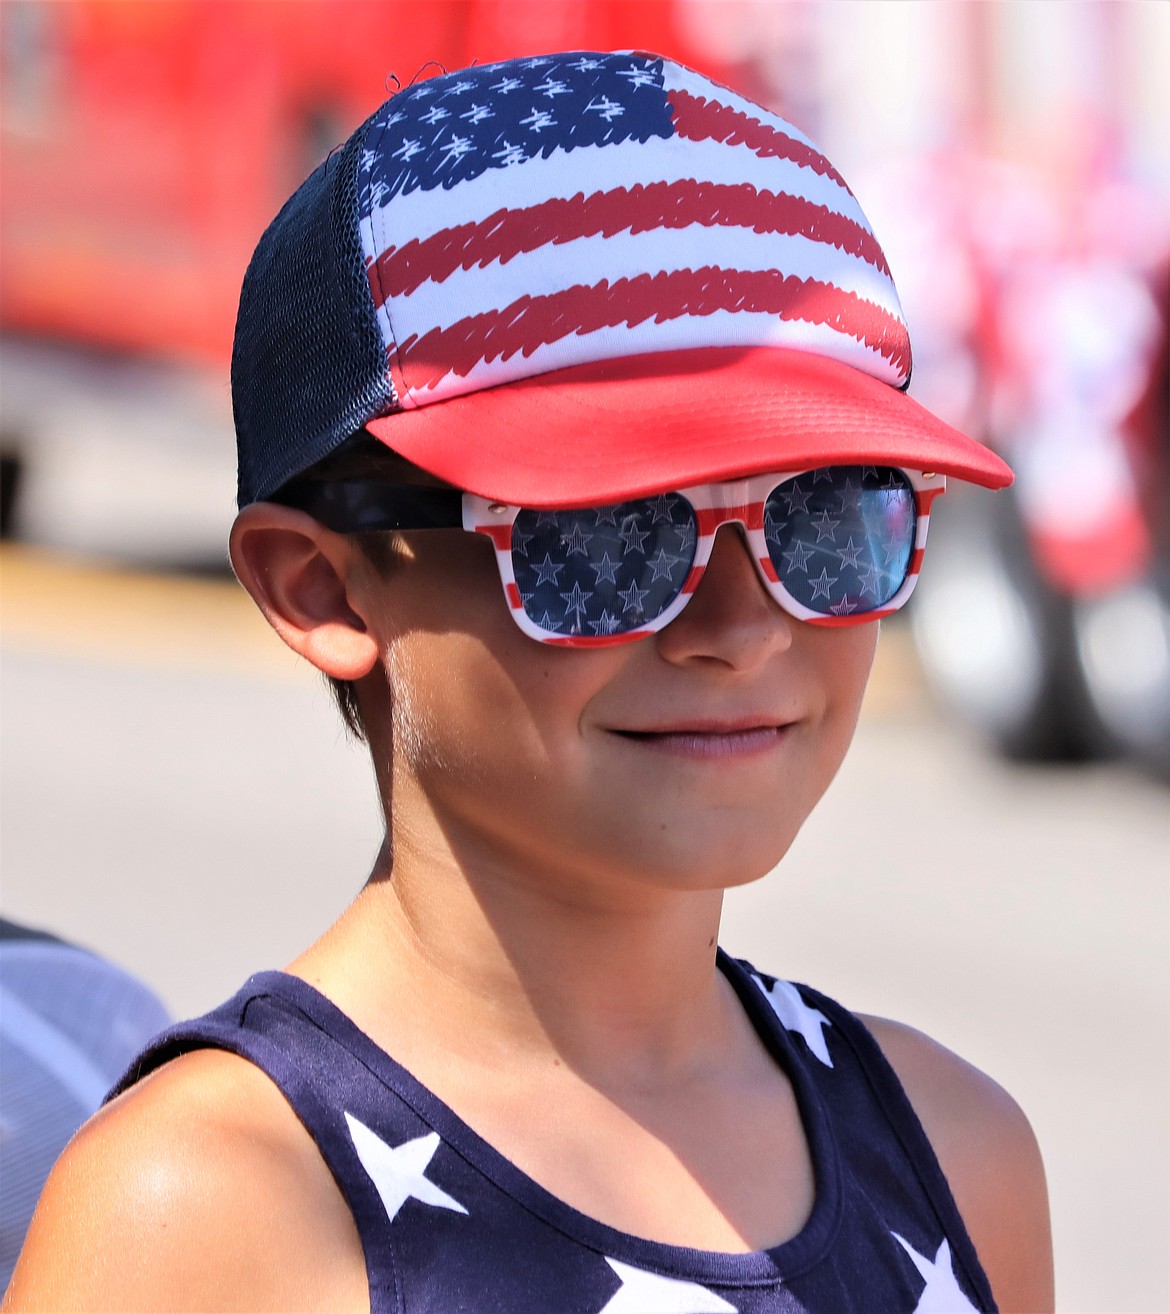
(841, 537)
(603, 570)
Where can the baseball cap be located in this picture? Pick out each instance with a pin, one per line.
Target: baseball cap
(575, 278)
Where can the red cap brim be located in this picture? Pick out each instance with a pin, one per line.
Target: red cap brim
(614, 429)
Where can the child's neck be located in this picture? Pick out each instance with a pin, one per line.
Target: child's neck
(505, 963)
(585, 1034)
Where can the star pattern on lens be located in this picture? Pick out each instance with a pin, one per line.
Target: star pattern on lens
(661, 565)
(824, 526)
(605, 624)
(576, 541)
(849, 554)
(575, 601)
(869, 581)
(795, 496)
(632, 599)
(891, 550)
(797, 556)
(603, 570)
(841, 537)
(822, 585)
(848, 494)
(632, 537)
(844, 549)
(548, 570)
(662, 510)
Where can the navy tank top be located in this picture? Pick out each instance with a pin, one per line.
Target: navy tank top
(450, 1226)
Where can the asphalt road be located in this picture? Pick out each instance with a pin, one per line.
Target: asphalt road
(176, 793)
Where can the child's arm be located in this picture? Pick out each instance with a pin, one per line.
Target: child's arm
(991, 1160)
(198, 1189)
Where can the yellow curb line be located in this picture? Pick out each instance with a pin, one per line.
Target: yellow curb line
(55, 603)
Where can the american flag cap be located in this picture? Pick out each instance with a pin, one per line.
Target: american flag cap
(575, 278)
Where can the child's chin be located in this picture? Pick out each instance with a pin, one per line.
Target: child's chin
(721, 868)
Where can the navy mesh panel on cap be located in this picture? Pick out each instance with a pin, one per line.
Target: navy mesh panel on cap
(308, 367)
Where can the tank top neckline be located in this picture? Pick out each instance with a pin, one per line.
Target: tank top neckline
(784, 1260)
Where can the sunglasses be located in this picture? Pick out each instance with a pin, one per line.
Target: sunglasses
(835, 545)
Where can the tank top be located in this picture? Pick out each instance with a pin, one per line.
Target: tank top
(450, 1226)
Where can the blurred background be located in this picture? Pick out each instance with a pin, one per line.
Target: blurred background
(993, 863)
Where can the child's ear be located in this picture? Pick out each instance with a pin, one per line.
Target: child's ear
(301, 576)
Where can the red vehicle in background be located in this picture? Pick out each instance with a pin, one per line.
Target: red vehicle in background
(145, 146)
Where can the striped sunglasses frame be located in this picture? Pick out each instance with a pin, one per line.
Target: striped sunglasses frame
(739, 501)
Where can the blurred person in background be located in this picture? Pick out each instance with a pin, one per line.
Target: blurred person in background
(69, 1023)
(598, 330)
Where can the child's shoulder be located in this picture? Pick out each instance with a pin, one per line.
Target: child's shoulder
(980, 1136)
(989, 1155)
(982, 1139)
(197, 1188)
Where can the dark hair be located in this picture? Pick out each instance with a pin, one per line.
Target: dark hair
(361, 456)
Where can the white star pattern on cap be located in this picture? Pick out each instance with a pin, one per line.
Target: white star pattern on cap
(798, 1016)
(942, 1293)
(398, 1171)
(651, 1293)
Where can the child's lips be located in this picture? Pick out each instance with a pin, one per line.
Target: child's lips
(706, 739)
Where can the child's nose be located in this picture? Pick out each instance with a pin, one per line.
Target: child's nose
(731, 617)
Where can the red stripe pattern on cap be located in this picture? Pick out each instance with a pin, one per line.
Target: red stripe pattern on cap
(552, 212)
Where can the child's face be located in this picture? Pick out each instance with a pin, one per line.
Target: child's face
(687, 759)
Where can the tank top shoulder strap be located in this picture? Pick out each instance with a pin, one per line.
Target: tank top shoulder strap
(273, 1021)
(873, 1120)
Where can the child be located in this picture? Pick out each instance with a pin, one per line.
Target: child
(601, 331)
